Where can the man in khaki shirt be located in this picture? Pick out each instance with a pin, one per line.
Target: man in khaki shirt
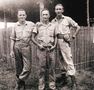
(46, 42)
(20, 47)
(63, 25)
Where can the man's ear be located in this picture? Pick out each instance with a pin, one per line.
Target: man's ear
(26, 16)
(49, 15)
(62, 10)
(17, 15)
(54, 11)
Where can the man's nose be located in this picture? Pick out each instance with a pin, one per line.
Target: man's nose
(45, 16)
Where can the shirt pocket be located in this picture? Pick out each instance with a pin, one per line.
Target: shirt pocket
(65, 24)
(64, 27)
(42, 32)
(27, 33)
(18, 34)
(51, 33)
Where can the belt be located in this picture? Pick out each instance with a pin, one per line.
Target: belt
(60, 36)
(22, 42)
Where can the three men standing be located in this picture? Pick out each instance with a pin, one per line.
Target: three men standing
(47, 34)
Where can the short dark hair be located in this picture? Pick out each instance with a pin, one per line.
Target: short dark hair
(45, 9)
(21, 10)
(59, 5)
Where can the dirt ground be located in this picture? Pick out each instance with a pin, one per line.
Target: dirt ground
(85, 79)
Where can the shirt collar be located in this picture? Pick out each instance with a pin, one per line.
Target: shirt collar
(49, 24)
(61, 18)
(20, 24)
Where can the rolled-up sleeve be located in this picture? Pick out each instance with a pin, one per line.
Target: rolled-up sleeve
(35, 30)
(72, 22)
(13, 34)
(32, 25)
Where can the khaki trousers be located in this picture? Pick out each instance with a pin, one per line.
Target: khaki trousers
(22, 60)
(67, 62)
(42, 57)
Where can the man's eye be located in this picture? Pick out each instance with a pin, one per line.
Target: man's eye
(45, 14)
(21, 15)
(58, 9)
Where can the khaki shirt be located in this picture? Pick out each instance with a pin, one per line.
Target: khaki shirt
(45, 33)
(63, 26)
(22, 32)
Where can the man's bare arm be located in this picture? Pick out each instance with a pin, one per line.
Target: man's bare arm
(77, 30)
(55, 43)
(35, 42)
(12, 48)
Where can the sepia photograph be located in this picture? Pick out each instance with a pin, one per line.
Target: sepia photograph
(46, 44)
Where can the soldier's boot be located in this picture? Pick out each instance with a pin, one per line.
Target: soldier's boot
(74, 83)
(17, 87)
(20, 85)
(68, 84)
(52, 86)
(41, 84)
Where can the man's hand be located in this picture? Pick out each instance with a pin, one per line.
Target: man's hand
(12, 54)
(66, 37)
(75, 34)
(52, 48)
(41, 47)
(73, 37)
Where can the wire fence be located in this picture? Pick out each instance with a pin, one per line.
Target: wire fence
(82, 49)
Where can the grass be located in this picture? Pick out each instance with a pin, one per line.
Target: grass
(85, 79)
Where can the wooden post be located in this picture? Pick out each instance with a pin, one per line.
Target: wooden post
(88, 20)
(5, 22)
(41, 4)
(3, 35)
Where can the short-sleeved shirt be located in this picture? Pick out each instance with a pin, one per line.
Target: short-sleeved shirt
(45, 33)
(22, 32)
(63, 26)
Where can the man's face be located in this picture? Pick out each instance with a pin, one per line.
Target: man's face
(59, 10)
(45, 15)
(21, 16)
